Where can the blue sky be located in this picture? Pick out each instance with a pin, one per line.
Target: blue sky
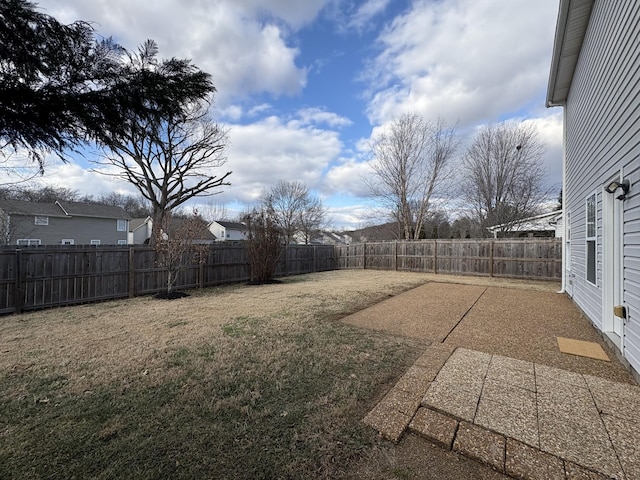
(304, 84)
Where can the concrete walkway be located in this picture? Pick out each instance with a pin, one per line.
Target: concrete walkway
(518, 412)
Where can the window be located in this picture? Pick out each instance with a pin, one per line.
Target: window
(122, 242)
(122, 225)
(68, 241)
(28, 241)
(591, 238)
(39, 220)
(95, 242)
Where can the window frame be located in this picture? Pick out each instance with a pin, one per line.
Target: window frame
(30, 242)
(591, 239)
(41, 220)
(95, 242)
(67, 241)
(122, 221)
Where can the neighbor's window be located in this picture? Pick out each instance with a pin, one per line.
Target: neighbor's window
(68, 241)
(122, 225)
(95, 242)
(28, 241)
(122, 242)
(39, 220)
(591, 238)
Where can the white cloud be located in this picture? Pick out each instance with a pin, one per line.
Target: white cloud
(366, 12)
(462, 59)
(314, 115)
(267, 151)
(86, 182)
(346, 177)
(243, 44)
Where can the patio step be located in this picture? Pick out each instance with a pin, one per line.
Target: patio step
(524, 420)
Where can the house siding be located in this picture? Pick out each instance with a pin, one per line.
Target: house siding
(602, 116)
(81, 229)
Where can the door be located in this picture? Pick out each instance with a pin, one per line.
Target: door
(613, 273)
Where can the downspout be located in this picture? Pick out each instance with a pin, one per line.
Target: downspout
(565, 218)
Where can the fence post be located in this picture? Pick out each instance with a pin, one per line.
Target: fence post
(200, 270)
(20, 285)
(132, 273)
(395, 255)
(315, 264)
(491, 244)
(364, 255)
(435, 256)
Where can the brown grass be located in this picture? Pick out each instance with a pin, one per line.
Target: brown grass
(231, 382)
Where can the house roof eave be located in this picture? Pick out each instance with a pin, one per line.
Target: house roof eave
(571, 26)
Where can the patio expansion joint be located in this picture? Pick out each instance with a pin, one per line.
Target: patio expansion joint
(604, 426)
(464, 315)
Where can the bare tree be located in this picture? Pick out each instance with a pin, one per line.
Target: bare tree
(504, 174)
(412, 161)
(172, 160)
(293, 209)
(213, 211)
(134, 206)
(178, 245)
(264, 245)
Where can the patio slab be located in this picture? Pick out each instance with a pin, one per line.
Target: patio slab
(561, 418)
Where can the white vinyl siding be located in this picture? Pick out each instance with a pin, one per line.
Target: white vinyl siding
(602, 118)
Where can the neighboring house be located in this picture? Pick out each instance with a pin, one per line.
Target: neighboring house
(376, 233)
(330, 238)
(62, 223)
(141, 229)
(595, 77)
(545, 225)
(229, 230)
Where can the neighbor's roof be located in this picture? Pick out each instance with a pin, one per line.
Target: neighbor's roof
(544, 222)
(62, 209)
(573, 19)
(233, 225)
(135, 223)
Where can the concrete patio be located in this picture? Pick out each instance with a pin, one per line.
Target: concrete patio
(517, 403)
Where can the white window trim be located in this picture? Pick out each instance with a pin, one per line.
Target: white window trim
(591, 238)
(121, 225)
(122, 242)
(41, 220)
(95, 242)
(29, 241)
(67, 241)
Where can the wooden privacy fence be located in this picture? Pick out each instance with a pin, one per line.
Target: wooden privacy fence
(518, 258)
(39, 277)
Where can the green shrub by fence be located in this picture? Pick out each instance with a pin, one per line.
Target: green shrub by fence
(40, 277)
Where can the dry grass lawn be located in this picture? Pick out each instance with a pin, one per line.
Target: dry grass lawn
(231, 382)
